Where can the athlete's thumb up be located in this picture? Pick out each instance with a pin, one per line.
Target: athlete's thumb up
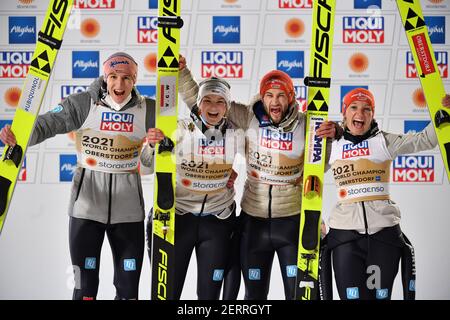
(7, 136)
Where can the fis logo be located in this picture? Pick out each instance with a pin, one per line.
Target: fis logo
(254, 274)
(291, 62)
(90, 263)
(129, 264)
(291, 271)
(355, 150)
(441, 61)
(67, 167)
(414, 126)
(162, 275)
(222, 64)
(85, 64)
(347, 89)
(363, 30)
(413, 169)
(147, 91)
(301, 96)
(94, 4)
(22, 30)
(276, 140)
(2, 124)
(67, 90)
(147, 29)
(227, 29)
(218, 274)
(119, 122)
(436, 28)
(295, 4)
(352, 293)
(15, 64)
(211, 147)
(366, 4)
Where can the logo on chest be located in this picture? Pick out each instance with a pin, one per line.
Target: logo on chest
(120, 122)
(276, 140)
(355, 150)
(211, 147)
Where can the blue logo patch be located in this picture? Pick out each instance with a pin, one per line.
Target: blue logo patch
(382, 294)
(254, 274)
(85, 64)
(90, 263)
(129, 264)
(67, 167)
(226, 29)
(291, 271)
(22, 29)
(436, 28)
(291, 62)
(412, 285)
(218, 274)
(353, 293)
(147, 91)
(365, 4)
(153, 4)
(414, 126)
(57, 109)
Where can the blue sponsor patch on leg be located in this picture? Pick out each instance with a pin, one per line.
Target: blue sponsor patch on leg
(291, 271)
(90, 263)
(254, 274)
(382, 294)
(352, 293)
(412, 285)
(218, 274)
(129, 264)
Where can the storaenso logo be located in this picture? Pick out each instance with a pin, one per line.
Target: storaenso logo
(322, 43)
(162, 276)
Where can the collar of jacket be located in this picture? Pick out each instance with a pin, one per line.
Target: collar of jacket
(288, 124)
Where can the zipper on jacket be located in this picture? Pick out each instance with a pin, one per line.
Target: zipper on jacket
(81, 182)
(366, 226)
(270, 201)
(110, 198)
(203, 204)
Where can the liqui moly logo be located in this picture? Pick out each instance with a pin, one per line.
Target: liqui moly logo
(222, 64)
(147, 30)
(68, 90)
(119, 122)
(436, 28)
(211, 147)
(15, 64)
(363, 30)
(276, 140)
(441, 61)
(413, 168)
(355, 150)
(226, 29)
(301, 96)
(295, 4)
(94, 4)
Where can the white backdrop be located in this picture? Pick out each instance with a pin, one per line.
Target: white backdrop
(240, 40)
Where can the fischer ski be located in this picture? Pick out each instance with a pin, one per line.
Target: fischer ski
(47, 46)
(163, 251)
(430, 79)
(315, 150)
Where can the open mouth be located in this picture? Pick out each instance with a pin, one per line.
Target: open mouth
(213, 115)
(359, 124)
(119, 92)
(275, 111)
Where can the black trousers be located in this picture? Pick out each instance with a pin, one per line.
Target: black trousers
(366, 266)
(127, 246)
(260, 239)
